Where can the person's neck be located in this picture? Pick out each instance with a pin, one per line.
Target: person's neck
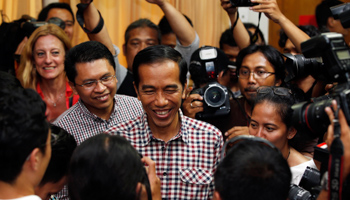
(247, 107)
(53, 87)
(103, 113)
(166, 133)
(15, 190)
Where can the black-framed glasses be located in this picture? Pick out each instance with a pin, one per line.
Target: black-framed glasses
(233, 141)
(281, 91)
(92, 84)
(258, 74)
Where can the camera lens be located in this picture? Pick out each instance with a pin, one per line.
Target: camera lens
(298, 193)
(311, 117)
(215, 96)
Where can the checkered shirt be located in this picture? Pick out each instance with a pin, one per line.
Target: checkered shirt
(82, 124)
(186, 163)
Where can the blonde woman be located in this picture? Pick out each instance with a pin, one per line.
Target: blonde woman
(42, 69)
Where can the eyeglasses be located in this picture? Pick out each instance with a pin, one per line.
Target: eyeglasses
(92, 84)
(281, 91)
(258, 74)
(233, 141)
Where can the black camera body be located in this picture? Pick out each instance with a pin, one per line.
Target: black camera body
(242, 3)
(335, 55)
(216, 100)
(310, 117)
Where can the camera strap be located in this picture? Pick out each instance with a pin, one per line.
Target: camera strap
(255, 36)
(335, 167)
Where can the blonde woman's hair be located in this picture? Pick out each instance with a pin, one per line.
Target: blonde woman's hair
(26, 73)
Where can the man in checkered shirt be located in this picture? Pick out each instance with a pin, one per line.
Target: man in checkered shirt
(90, 69)
(186, 151)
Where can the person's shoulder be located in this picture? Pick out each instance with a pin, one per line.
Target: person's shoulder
(124, 126)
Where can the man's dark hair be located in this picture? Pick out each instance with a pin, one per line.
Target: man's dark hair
(105, 167)
(45, 11)
(270, 53)
(23, 127)
(253, 171)
(323, 12)
(142, 23)
(227, 38)
(9, 81)
(84, 53)
(62, 147)
(165, 27)
(198, 70)
(310, 30)
(159, 53)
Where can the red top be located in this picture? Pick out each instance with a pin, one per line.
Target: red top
(69, 92)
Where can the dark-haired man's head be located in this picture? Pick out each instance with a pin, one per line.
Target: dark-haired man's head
(209, 64)
(259, 66)
(168, 35)
(229, 45)
(24, 139)
(55, 177)
(100, 154)
(90, 70)
(259, 171)
(140, 34)
(325, 19)
(160, 82)
(62, 11)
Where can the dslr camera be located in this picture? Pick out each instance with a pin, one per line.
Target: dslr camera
(206, 64)
(216, 100)
(242, 3)
(310, 117)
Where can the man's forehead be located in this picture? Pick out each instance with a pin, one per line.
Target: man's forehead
(60, 13)
(143, 33)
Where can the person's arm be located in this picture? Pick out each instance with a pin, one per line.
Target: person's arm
(183, 30)
(240, 33)
(91, 20)
(272, 11)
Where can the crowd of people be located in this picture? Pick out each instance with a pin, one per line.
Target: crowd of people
(178, 122)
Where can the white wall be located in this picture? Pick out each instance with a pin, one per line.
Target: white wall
(47, 2)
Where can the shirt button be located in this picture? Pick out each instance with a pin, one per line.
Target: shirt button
(164, 174)
(163, 148)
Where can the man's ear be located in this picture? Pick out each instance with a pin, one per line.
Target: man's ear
(216, 195)
(136, 90)
(291, 133)
(330, 22)
(278, 82)
(72, 85)
(184, 91)
(34, 159)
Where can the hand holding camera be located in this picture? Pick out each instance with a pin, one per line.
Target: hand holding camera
(344, 135)
(192, 104)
